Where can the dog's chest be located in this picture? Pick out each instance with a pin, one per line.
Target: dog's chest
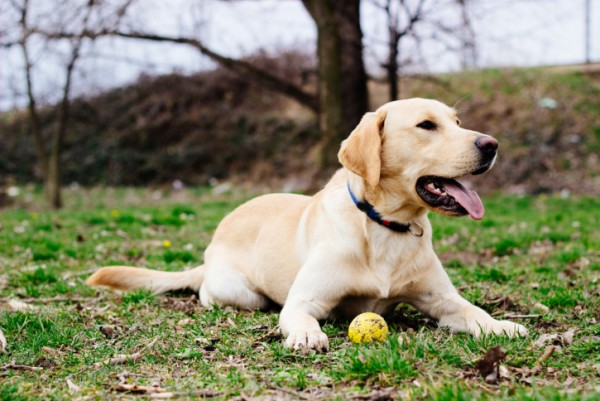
(391, 263)
(382, 280)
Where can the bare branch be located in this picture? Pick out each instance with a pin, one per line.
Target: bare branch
(261, 77)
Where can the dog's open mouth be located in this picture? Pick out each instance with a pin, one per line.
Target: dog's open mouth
(449, 197)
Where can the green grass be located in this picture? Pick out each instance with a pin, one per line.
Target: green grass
(526, 252)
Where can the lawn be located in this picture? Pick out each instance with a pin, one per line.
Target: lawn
(535, 260)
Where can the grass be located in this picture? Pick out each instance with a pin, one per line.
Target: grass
(530, 255)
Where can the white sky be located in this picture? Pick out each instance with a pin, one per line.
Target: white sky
(508, 33)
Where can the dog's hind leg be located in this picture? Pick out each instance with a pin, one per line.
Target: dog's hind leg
(226, 285)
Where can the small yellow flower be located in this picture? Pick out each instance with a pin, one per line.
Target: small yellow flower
(167, 243)
(35, 215)
(115, 213)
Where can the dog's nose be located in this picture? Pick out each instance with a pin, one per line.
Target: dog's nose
(486, 144)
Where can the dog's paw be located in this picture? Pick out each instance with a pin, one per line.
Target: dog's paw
(502, 327)
(307, 340)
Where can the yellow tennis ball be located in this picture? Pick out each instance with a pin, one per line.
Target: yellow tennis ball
(368, 327)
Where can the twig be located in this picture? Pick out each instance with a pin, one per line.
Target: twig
(134, 388)
(51, 300)
(288, 391)
(14, 366)
(269, 334)
(518, 316)
(119, 359)
(498, 300)
(151, 343)
(547, 354)
(196, 393)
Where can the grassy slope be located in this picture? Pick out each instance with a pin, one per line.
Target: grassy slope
(526, 251)
(215, 125)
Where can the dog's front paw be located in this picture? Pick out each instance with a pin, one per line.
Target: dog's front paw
(502, 327)
(307, 340)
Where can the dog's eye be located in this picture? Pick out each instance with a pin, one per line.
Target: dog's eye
(427, 125)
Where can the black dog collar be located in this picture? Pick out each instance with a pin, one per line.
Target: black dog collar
(370, 211)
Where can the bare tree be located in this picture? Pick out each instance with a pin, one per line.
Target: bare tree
(49, 147)
(467, 37)
(398, 27)
(424, 22)
(49, 151)
(342, 95)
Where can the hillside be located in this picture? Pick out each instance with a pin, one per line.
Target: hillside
(213, 124)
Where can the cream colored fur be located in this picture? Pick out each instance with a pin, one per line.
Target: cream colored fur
(320, 256)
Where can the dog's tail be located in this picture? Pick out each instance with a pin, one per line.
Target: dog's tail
(131, 278)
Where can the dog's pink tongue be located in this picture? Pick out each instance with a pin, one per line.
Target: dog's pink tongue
(467, 199)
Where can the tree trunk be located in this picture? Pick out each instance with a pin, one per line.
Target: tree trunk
(392, 67)
(355, 95)
(342, 77)
(329, 81)
(52, 184)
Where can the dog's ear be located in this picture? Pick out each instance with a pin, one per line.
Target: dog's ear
(361, 151)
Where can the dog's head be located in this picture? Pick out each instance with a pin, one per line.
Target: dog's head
(416, 149)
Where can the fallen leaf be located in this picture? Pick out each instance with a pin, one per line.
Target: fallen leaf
(492, 377)
(109, 331)
(541, 307)
(503, 372)
(567, 336)
(545, 338)
(489, 362)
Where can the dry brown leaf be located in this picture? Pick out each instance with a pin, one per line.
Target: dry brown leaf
(489, 363)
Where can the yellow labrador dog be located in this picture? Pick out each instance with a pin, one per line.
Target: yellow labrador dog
(363, 243)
